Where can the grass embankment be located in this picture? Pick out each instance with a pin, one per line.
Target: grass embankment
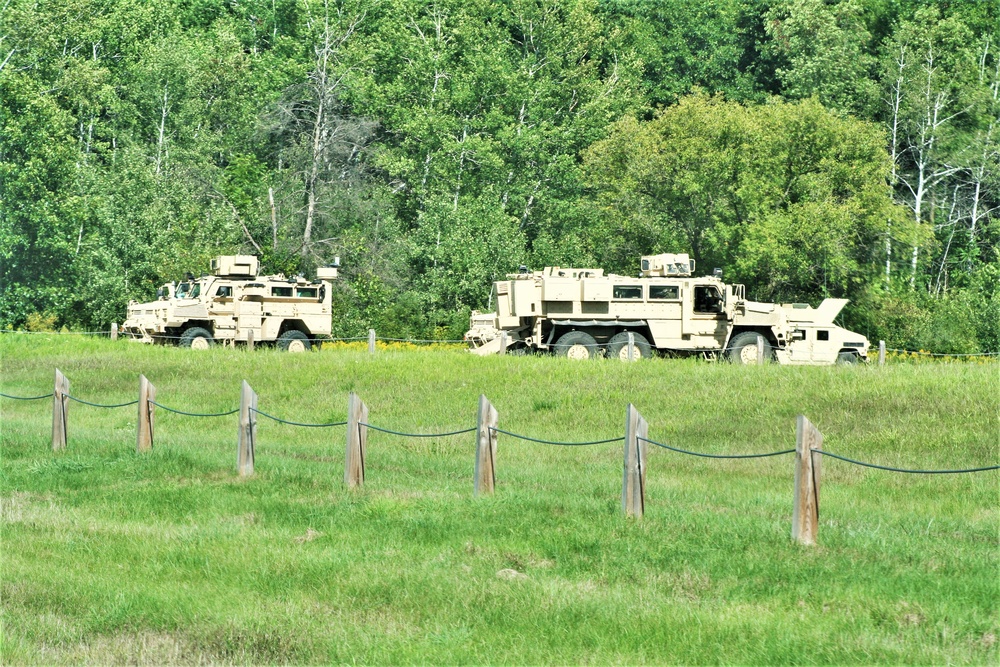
(110, 556)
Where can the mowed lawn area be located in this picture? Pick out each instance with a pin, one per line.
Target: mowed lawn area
(110, 557)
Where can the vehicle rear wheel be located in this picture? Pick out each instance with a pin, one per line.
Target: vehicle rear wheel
(576, 345)
(847, 358)
(294, 341)
(743, 349)
(196, 338)
(618, 347)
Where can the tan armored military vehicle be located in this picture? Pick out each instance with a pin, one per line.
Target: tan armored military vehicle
(583, 313)
(234, 302)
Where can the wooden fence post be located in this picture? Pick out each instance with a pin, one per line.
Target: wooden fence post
(249, 340)
(881, 353)
(59, 406)
(147, 395)
(357, 440)
(760, 350)
(631, 346)
(503, 343)
(634, 479)
(805, 516)
(114, 331)
(371, 341)
(486, 448)
(248, 431)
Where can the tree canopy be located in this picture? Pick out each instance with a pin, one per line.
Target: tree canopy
(809, 148)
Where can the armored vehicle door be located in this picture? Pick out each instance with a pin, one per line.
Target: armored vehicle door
(221, 308)
(705, 324)
(800, 346)
(664, 314)
(249, 311)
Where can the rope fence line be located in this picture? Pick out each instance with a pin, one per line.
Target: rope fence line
(195, 414)
(27, 398)
(100, 405)
(518, 436)
(809, 441)
(291, 423)
(717, 456)
(553, 442)
(903, 470)
(416, 435)
(818, 451)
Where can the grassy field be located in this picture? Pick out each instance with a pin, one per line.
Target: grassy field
(113, 557)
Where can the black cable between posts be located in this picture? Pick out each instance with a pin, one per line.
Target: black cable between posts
(717, 456)
(291, 423)
(416, 435)
(891, 469)
(99, 405)
(196, 414)
(553, 442)
(27, 398)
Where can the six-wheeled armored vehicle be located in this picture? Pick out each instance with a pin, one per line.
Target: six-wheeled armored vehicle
(583, 313)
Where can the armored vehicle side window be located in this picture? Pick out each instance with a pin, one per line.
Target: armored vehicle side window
(822, 334)
(663, 292)
(707, 299)
(281, 291)
(195, 291)
(306, 292)
(224, 291)
(627, 292)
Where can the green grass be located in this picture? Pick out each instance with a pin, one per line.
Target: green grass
(113, 557)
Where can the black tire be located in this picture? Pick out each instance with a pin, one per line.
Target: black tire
(577, 345)
(294, 340)
(743, 349)
(196, 338)
(618, 347)
(521, 350)
(847, 359)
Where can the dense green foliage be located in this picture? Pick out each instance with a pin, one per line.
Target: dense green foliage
(808, 147)
(170, 558)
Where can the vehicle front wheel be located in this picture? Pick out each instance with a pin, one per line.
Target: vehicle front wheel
(576, 345)
(847, 358)
(743, 349)
(294, 341)
(196, 338)
(618, 347)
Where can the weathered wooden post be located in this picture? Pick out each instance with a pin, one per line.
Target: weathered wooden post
(881, 353)
(486, 448)
(357, 441)
(248, 431)
(250, 340)
(503, 343)
(634, 479)
(59, 394)
(371, 341)
(147, 396)
(760, 350)
(631, 346)
(114, 331)
(805, 516)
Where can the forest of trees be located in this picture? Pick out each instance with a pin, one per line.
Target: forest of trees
(809, 148)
